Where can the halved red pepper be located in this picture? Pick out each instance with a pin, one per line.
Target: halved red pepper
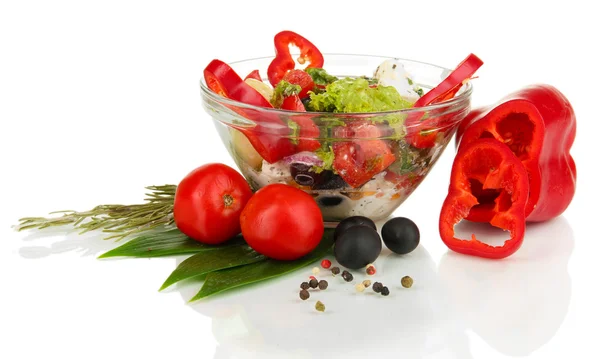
(269, 136)
(424, 133)
(490, 166)
(357, 161)
(283, 61)
(308, 131)
(537, 123)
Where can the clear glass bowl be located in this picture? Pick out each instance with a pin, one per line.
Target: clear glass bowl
(385, 191)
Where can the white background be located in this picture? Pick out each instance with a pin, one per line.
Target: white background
(100, 98)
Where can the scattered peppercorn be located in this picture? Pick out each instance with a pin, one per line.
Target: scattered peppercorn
(304, 285)
(371, 269)
(326, 263)
(304, 294)
(366, 283)
(335, 270)
(315, 270)
(385, 291)
(323, 284)
(313, 283)
(320, 306)
(348, 277)
(360, 287)
(407, 282)
(377, 287)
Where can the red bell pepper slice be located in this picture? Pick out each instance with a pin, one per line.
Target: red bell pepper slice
(302, 79)
(424, 134)
(253, 75)
(283, 61)
(538, 124)
(502, 185)
(269, 136)
(357, 161)
(308, 131)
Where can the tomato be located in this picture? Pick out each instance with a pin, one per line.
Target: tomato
(209, 201)
(282, 222)
(357, 162)
(302, 79)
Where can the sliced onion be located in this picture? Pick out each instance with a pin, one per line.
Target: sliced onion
(304, 157)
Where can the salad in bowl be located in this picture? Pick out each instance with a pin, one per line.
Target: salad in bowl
(359, 133)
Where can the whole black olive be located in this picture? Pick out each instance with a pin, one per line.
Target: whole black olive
(351, 222)
(329, 181)
(302, 174)
(357, 247)
(400, 235)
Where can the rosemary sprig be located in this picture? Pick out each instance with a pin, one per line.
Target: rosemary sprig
(119, 220)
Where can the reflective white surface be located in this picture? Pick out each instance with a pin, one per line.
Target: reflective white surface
(98, 101)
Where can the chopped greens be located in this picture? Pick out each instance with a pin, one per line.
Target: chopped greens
(283, 90)
(320, 76)
(326, 155)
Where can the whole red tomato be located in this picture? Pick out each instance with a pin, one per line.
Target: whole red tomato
(282, 222)
(209, 201)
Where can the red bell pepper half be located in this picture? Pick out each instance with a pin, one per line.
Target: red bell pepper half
(537, 123)
(357, 161)
(423, 134)
(486, 174)
(269, 136)
(283, 61)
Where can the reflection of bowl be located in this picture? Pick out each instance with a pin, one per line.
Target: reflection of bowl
(364, 143)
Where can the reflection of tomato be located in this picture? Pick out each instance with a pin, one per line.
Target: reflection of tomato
(208, 203)
(282, 222)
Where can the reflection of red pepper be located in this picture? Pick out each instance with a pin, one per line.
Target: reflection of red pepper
(283, 61)
(308, 131)
(268, 137)
(253, 75)
(428, 129)
(357, 161)
(538, 124)
(501, 181)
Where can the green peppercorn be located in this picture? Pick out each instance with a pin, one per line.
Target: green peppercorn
(304, 285)
(385, 291)
(406, 281)
(323, 284)
(304, 294)
(313, 283)
(320, 306)
(348, 277)
(377, 287)
(335, 270)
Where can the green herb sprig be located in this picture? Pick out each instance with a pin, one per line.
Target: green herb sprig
(119, 220)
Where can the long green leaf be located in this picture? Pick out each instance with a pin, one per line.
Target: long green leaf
(210, 261)
(226, 279)
(168, 243)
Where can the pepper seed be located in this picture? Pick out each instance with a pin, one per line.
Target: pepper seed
(320, 306)
(385, 291)
(406, 282)
(377, 287)
(323, 284)
(315, 270)
(348, 277)
(304, 294)
(360, 287)
(366, 283)
(371, 269)
(304, 285)
(313, 283)
(335, 270)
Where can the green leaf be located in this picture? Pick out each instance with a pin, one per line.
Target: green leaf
(226, 279)
(210, 261)
(167, 243)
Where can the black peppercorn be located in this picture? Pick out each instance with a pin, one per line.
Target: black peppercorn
(348, 277)
(304, 285)
(377, 287)
(385, 291)
(335, 270)
(323, 284)
(304, 294)
(313, 283)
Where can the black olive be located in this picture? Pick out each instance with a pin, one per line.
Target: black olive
(357, 247)
(400, 235)
(351, 222)
(330, 201)
(302, 174)
(330, 181)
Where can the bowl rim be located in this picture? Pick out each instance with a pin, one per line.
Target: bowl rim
(463, 95)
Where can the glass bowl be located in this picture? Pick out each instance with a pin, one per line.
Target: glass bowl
(372, 161)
